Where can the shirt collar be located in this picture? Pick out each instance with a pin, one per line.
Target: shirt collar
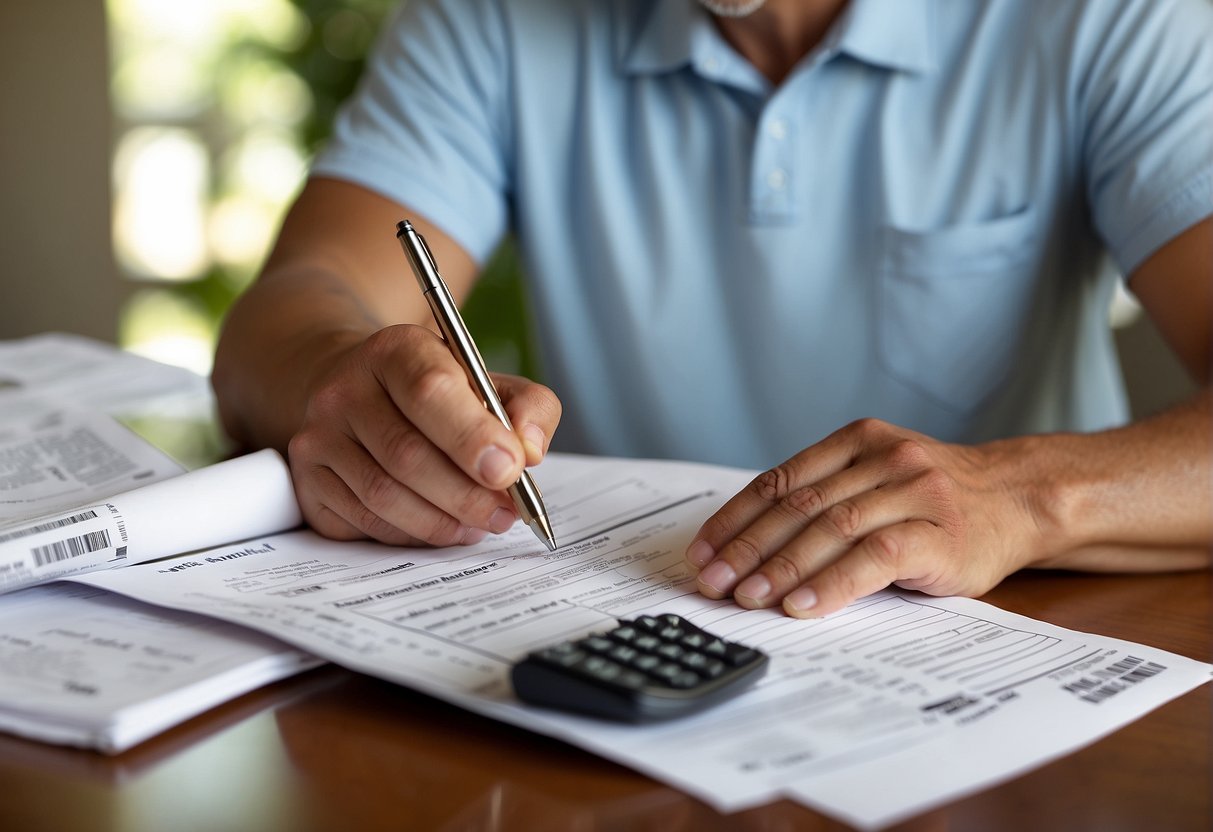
(660, 36)
(896, 34)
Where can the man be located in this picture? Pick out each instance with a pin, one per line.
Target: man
(866, 237)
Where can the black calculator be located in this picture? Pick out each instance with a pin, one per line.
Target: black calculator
(652, 668)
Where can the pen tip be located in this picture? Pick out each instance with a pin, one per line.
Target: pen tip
(543, 531)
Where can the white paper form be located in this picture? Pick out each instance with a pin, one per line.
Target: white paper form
(850, 705)
(88, 668)
(227, 501)
(52, 457)
(92, 375)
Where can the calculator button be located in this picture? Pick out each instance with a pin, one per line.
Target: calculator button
(597, 644)
(565, 655)
(648, 622)
(695, 641)
(647, 642)
(671, 633)
(716, 647)
(601, 668)
(646, 662)
(624, 634)
(623, 655)
(695, 661)
(713, 668)
(671, 651)
(668, 671)
(672, 620)
(684, 680)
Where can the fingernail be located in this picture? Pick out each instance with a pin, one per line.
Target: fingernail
(699, 553)
(473, 536)
(533, 438)
(502, 520)
(801, 599)
(718, 576)
(756, 588)
(495, 466)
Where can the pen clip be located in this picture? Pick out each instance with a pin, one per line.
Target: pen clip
(425, 267)
(429, 255)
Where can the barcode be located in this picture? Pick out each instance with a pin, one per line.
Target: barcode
(1123, 666)
(1144, 672)
(1100, 694)
(1114, 678)
(71, 548)
(46, 527)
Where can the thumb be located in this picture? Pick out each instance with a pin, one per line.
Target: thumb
(534, 412)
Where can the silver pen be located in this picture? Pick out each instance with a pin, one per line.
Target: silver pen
(525, 493)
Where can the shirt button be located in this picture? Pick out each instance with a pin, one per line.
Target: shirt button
(778, 129)
(777, 179)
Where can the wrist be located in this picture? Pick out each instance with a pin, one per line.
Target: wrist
(1049, 485)
(1135, 496)
(262, 399)
(304, 366)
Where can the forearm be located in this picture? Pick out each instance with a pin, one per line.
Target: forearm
(278, 339)
(1136, 498)
(335, 277)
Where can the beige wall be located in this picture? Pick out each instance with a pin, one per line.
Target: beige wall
(56, 263)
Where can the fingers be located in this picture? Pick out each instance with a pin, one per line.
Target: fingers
(869, 506)
(778, 552)
(390, 452)
(331, 508)
(396, 445)
(433, 500)
(429, 387)
(534, 411)
(793, 483)
(887, 555)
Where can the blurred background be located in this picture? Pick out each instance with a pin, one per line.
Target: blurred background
(150, 147)
(149, 150)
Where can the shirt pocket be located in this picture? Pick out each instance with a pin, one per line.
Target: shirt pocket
(953, 306)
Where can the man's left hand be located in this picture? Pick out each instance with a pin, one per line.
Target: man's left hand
(869, 506)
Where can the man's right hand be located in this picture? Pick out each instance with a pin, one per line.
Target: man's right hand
(331, 357)
(395, 444)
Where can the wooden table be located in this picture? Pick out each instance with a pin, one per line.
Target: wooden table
(333, 750)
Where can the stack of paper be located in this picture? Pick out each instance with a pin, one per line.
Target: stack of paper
(88, 668)
(80, 492)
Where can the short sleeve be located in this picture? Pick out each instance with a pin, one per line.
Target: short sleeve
(428, 126)
(1147, 103)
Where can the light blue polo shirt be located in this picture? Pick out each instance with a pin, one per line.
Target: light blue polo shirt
(914, 225)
